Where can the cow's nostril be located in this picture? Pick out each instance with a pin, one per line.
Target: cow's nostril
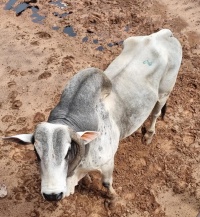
(59, 196)
(53, 197)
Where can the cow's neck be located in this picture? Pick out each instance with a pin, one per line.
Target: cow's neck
(66, 121)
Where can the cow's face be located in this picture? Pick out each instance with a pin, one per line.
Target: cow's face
(59, 151)
(53, 146)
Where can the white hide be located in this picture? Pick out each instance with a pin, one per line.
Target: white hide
(144, 73)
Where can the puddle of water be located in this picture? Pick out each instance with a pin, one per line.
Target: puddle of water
(9, 4)
(37, 18)
(100, 48)
(63, 15)
(56, 14)
(115, 43)
(59, 4)
(32, 1)
(85, 39)
(110, 44)
(35, 9)
(21, 7)
(95, 41)
(55, 27)
(69, 30)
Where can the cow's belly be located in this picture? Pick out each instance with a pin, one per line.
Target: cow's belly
(130, 107)
(137, 119)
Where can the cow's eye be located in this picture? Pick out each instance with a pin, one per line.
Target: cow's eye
(37, 155)
(67, 155)
(72, 152)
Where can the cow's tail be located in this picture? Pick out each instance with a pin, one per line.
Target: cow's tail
(163, 111)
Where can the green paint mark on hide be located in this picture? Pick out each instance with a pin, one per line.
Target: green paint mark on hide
(149, 63)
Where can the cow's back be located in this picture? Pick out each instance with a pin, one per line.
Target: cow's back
(145, 58)
(136, 75)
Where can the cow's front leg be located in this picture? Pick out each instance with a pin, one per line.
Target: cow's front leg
(113, 199)
(111, 191)
(107, 179)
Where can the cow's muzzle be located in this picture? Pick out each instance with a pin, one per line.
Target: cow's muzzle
(53, 197)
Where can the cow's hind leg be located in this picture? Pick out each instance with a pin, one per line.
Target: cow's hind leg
(159, 109)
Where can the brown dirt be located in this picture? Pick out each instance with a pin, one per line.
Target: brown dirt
(162, 179)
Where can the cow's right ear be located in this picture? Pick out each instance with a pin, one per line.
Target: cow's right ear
(88, 136)
(23, 139)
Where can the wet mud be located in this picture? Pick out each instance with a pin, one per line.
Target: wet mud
(38, 58)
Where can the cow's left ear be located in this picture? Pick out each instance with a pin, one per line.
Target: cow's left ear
(88, 136)
(23, 139)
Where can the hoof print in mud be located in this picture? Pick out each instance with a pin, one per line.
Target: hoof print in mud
(13, 95)
(35, 43)
(114, 205)
(21, 120)
(7, 118)
(44, 35)
(44, 75)
(39, 117)
(16, 104)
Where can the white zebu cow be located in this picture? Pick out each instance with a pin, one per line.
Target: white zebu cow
(98, 109)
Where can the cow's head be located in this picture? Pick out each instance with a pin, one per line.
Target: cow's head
(59, 151)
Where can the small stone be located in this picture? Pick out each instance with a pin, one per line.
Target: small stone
(3, 191)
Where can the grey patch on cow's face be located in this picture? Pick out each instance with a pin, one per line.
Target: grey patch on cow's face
(58, 143)
(100, 148)
(52, 143)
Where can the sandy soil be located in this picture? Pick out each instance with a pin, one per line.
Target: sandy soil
(159, 180)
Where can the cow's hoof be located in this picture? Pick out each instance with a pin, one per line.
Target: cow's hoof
(111, 203)
(107, 204)
(106, 184)
(147, 138)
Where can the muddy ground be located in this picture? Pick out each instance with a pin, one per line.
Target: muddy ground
(36, 61)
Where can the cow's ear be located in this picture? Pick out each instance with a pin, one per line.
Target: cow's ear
(23, 139)
(88, 136)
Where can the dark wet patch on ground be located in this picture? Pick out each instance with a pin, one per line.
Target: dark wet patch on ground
(21, 7)
(55, 27)
(69, 31)
(37, 18)
(9, 4)
(58, 3)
